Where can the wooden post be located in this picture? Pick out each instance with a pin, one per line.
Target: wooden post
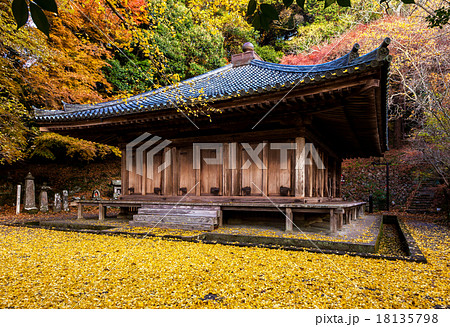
(124, 172)
(326, 182)
(236, 169)
(226, 171)
(197, 181)
(101, 211)
(289, 220)
(338, 179)
(167, 173)
(340, 220)
(361, 210)
(265, 172)
(300, 167)
(320, 176)
(80, 211)
(333, 221)
(175, 171)
(220, 218)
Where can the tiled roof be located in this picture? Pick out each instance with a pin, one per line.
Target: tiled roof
(223, 83)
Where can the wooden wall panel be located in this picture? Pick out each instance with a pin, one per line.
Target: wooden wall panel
(252, 175)
(153, 181)
(278, 177)
(210, 175)
(186, 172)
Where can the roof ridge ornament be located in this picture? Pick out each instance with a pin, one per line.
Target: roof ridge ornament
(246, 57)
(383, 51)
(354, 54)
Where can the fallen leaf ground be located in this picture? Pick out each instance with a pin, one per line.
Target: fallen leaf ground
(52, 269)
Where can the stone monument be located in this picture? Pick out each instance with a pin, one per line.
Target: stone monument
(96, 195)
(19, 191)
(65, 200)
(57, 204)
(43, 198)
(30, 196)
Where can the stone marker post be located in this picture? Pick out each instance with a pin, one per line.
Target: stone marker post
(65, 200)
(57, 203)
(19, 191)
(30, 196)
(43, 199)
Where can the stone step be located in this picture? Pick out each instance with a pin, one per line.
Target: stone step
(187, 217)
(179, 206)
(175, 219)
(178, 212)
(200, 227)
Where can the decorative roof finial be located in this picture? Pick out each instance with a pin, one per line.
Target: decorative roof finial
(247, 46)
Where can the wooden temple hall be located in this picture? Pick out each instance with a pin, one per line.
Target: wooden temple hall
(264, 149)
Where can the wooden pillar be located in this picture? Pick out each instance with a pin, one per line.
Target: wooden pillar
(175, 171)
(316, 178)
(265, 172)
(167, 173)
(220, 217)
(124, 172)
(80, 211)
(338, 178)
(226, 172)
(320, 173)
(340, 219)
(354, 213)
(101, 211)
(300, 167)
(333, 221)
(333, 177)
(361, 210)
(289, 220)
(197, 181)
(236, 154)
(144, 190)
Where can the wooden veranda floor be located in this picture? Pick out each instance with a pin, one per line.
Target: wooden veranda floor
(340, 212)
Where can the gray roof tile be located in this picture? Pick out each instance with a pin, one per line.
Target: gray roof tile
(222, 83)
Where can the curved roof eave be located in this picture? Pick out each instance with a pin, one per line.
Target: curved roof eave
(221, 84)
